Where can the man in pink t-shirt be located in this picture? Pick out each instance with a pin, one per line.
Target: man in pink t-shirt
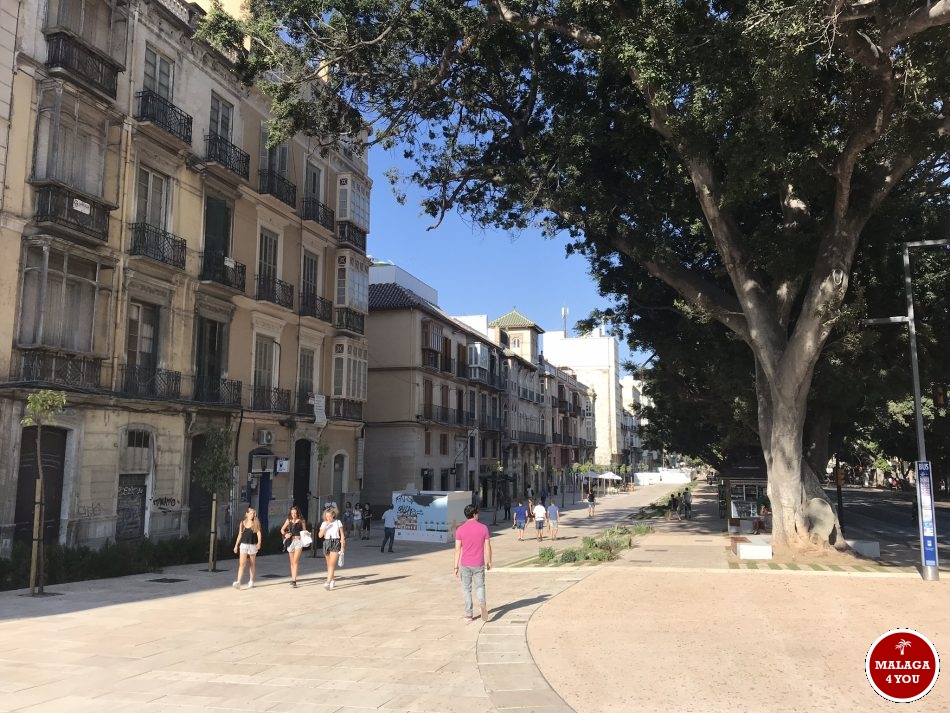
(472, 558)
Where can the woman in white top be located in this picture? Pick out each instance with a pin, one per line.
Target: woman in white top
(334, 542)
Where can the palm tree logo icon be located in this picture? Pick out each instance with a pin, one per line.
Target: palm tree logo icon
(902, 644)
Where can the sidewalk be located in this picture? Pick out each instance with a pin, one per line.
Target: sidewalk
(670, 626)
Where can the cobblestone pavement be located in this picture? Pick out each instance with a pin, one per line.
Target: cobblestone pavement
(675, 624)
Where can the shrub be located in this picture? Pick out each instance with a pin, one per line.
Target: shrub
(546, 554)
(588, 542)
(599, 555)
(570, 555)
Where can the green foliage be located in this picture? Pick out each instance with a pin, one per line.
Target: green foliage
(212, 470)
(42, 407)
(589, 542)
(569, 555)
(546, 554)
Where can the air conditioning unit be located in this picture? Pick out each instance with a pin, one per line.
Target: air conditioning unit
(265, 437)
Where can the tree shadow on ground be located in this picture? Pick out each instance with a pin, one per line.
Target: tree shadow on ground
(505, 609)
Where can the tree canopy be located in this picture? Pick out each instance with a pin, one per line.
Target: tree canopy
(734, 151)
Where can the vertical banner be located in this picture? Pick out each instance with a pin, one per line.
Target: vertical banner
(925, 505)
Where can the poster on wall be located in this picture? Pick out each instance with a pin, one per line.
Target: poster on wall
(429, 515)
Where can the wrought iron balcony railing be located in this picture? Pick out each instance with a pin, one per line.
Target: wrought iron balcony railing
(65, 52)
(157, 244)
(347, 410)
(226, 392)
(161, 112)
(61, 206)
(350, 320)
(314, 210)
(219, 150)
(50, 367)
(219, 268)
(270, 289)
(268, 398)
(430, 358)
(272, 183)
(313, 305)
(148, 382)
(350, 235)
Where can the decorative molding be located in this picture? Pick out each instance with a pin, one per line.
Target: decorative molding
(271, 326)
(311, 338)
(212, 308)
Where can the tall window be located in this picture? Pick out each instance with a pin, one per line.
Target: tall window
(443, 444)
(65, 300)
(352, 284)
(313, 182)
(307, 362)
(222, 114)
(159, 74)
(353, 200)
(209, 352)
(267, 258)
(309, 274)
(70, 142)
(349, 371)
(141, 339)
(152, 199)
(264, 374)
(217, 225)
(273, 159)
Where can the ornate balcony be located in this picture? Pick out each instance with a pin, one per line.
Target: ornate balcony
(313, 305)
(161, 112)
(61, 206)
(226, 392)
(273, 184)
(157, 244)
(50, 367)
(349, 320)
(312, 209)
(350, 235)
(65, 53)
(347, 410)
(222, 152)
(270, 289)
(267, 398)
(219, 268)
(149, 382)
(430, 358)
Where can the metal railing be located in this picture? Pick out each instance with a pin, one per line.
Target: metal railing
(62, 206)
(63, 51)
(313, 305)
(161, 112)
(347, 410)
(273, 184)
(219, 150)
(157, 244)
(219, 268)
(351, 235)
(268, 398)
(270, 289)
(218, 391)
(430, 358)
(148, 382)
(350, 320)
(447, 364)
(313, 209)
(41, 366)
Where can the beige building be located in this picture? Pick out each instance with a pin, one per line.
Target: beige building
(456, 403)
(171, 273)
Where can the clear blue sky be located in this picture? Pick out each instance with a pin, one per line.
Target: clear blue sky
(478, 271)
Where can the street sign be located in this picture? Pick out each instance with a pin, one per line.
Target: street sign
(926, 519)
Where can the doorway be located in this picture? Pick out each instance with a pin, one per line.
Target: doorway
(53, 450)
(302, 450)
(199, 499)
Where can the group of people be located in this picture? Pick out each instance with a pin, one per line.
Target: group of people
(681, 505)
(357, 519)
(543, 518)
(296, 538)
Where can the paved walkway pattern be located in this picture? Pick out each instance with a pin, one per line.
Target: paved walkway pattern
(674, 625)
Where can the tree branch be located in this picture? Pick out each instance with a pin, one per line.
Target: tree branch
(931, 14)
(585, 38)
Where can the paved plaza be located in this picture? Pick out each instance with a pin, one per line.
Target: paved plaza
(675, 625)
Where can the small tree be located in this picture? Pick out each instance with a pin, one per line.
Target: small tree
(41, 408)
(212, 472)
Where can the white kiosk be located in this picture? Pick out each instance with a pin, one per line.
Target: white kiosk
(429, 515)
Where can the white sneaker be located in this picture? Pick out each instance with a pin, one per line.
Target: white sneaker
(326, 585)
(250, 584)
(236, 585)
(331, 583)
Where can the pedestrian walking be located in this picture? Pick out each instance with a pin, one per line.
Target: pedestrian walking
(348, 519)
(248, 544)
(290, 531)
(674, 508)
(554, 514)
(539, 515)
(506, 501)
(357, 521)
(530, 507)
(688, 503)
(544, 496)
(520, 519)
(472, 558)
(367, 519)
(591, 500)
(334, 543)
(389, 528)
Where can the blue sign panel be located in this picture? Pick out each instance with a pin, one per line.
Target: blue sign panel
(925, 503)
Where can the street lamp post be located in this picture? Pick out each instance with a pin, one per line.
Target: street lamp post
(927, 526)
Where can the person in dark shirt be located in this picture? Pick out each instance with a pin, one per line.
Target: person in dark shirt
(520, 516)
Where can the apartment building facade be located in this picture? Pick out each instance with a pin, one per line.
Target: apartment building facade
(172, 273)
(452, 406)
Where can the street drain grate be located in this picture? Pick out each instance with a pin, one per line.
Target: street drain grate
(649, 550)
(167, 580)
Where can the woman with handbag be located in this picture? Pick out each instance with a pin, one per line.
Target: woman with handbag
(248, 543)
(292, 529)
(334, 543)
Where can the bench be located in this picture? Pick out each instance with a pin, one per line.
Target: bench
(754, 547)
